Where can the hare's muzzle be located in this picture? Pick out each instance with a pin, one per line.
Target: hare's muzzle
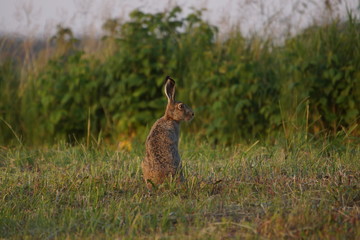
(190, 116)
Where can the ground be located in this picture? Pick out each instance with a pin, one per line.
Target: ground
(304, 190)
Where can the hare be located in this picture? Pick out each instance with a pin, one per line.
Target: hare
(162, 159)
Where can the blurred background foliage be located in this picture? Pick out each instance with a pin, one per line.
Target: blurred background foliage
(241, 89)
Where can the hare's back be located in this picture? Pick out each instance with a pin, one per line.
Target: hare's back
(161, 144)
(164, 133)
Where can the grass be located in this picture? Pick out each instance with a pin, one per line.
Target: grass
(310, 191)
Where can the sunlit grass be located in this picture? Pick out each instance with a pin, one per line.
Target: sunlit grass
(311, 191)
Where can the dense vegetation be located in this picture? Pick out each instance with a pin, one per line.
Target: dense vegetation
(240, 88)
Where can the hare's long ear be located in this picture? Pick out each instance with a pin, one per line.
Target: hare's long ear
(170, 89)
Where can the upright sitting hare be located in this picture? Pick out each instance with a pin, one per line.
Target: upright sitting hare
(162, 158)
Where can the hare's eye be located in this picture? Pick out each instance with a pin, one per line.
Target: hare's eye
(181, 106)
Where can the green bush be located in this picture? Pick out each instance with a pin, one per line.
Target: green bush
(324, 67)
(9, 102)
(239, 93)
(119, 96)
(61, 98)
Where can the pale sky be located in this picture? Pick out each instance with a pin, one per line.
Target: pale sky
(40, 17)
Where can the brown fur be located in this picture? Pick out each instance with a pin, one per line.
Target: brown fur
(162, 159)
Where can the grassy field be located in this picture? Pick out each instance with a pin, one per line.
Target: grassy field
(245, 91)
(308, 190)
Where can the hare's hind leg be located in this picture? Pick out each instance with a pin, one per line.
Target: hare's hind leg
(152, 177)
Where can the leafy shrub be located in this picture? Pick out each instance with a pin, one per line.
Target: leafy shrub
(120, 95)
(325, 68)
(9, 101)
(63, 97)
(238, 101)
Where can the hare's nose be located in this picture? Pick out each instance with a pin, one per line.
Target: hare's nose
(192, 114)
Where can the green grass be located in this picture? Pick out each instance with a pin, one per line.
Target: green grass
(256, 191)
